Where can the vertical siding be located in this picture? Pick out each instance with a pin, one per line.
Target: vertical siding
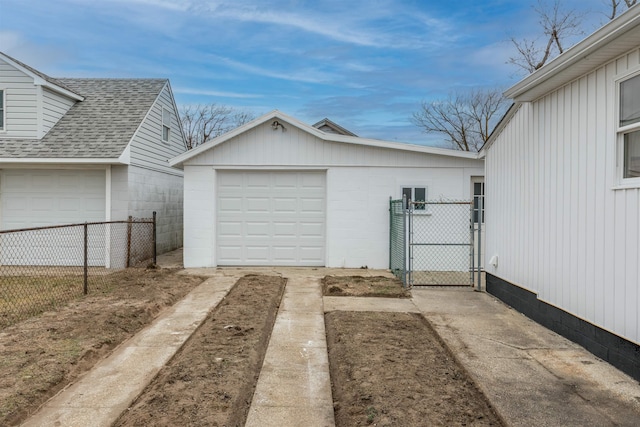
(553, 217)
(147, 148)
(54, 106)
(21, 96)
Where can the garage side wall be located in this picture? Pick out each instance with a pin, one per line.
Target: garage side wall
(199, 216)
(358, 207)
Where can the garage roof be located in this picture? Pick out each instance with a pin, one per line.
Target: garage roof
(278, 118)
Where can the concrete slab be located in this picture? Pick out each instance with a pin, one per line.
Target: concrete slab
(294, 388)
(531, 375)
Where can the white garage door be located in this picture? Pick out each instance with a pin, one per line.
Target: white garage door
(36, 198)
(270, 218)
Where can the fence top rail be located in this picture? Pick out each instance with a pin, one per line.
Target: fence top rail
(51, 227)
(441, 202)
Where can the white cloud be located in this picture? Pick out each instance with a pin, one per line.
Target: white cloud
(204, 92)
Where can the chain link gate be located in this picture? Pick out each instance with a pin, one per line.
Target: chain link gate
(431, 243)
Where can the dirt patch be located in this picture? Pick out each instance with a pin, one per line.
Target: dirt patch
(210, 382)
(41, 355)
(358, 286)
(390, 369)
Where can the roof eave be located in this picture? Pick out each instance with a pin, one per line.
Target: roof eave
(540, 82)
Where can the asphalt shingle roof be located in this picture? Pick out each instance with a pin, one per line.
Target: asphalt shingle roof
(101, 126)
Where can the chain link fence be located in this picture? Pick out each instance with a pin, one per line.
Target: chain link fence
(431, 243)
(42, 268)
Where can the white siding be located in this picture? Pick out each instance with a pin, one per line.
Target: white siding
(263, 146)
(199, 217)
(147, 148)
(21, 97)
(54, 106)
(553, 217)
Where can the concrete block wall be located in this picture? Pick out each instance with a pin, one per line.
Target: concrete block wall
(151, 191)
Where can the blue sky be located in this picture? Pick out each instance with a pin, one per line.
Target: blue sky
(365, 64)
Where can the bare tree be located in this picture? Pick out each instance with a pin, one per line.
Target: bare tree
(465, 119)
(556, 25)
(204, 122)
(615, 5)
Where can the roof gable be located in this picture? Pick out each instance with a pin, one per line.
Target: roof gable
(327, 125)
(42, 79)
(280, 122)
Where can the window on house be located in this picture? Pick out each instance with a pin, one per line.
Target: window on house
(629, 126)
(166, 124)
(1, 109)
(415, 194)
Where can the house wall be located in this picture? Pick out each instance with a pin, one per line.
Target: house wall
(21, 97)
(555, 219)
(147, 148)
(360, 180)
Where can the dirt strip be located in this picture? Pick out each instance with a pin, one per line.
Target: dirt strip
(391, 369)
(210, 381)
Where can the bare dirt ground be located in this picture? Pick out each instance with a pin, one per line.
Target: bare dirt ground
(210, 382)
(386, 368)
(391, 369)
(358, 286)
(43, 354)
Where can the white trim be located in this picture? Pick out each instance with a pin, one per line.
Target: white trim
(290, 121)
(107, 201)
(39, 112)
(621, 131)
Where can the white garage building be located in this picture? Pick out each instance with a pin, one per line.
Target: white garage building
(277, 191)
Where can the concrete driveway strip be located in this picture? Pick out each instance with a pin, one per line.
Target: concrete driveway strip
(294, 387)
(532, 376)
(99, 397)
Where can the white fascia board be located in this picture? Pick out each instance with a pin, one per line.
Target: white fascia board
(39, 81)
(513, 109)
(581, 51)
(76, 161)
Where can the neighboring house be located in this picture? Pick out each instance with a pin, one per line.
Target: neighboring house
(328, 126)
(77, 150)
(563, 195)
(277, 191)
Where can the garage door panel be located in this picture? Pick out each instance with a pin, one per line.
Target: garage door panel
(230, 229)
(285, 205)
(257, 229)
(257, 205)
(276, 208)
(285, 229)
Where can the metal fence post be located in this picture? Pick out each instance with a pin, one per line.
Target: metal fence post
(480, 218)
(472, 274)
(405, 240)
(85, 288)
(155, 251)
(390, 232)
(129, 241)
